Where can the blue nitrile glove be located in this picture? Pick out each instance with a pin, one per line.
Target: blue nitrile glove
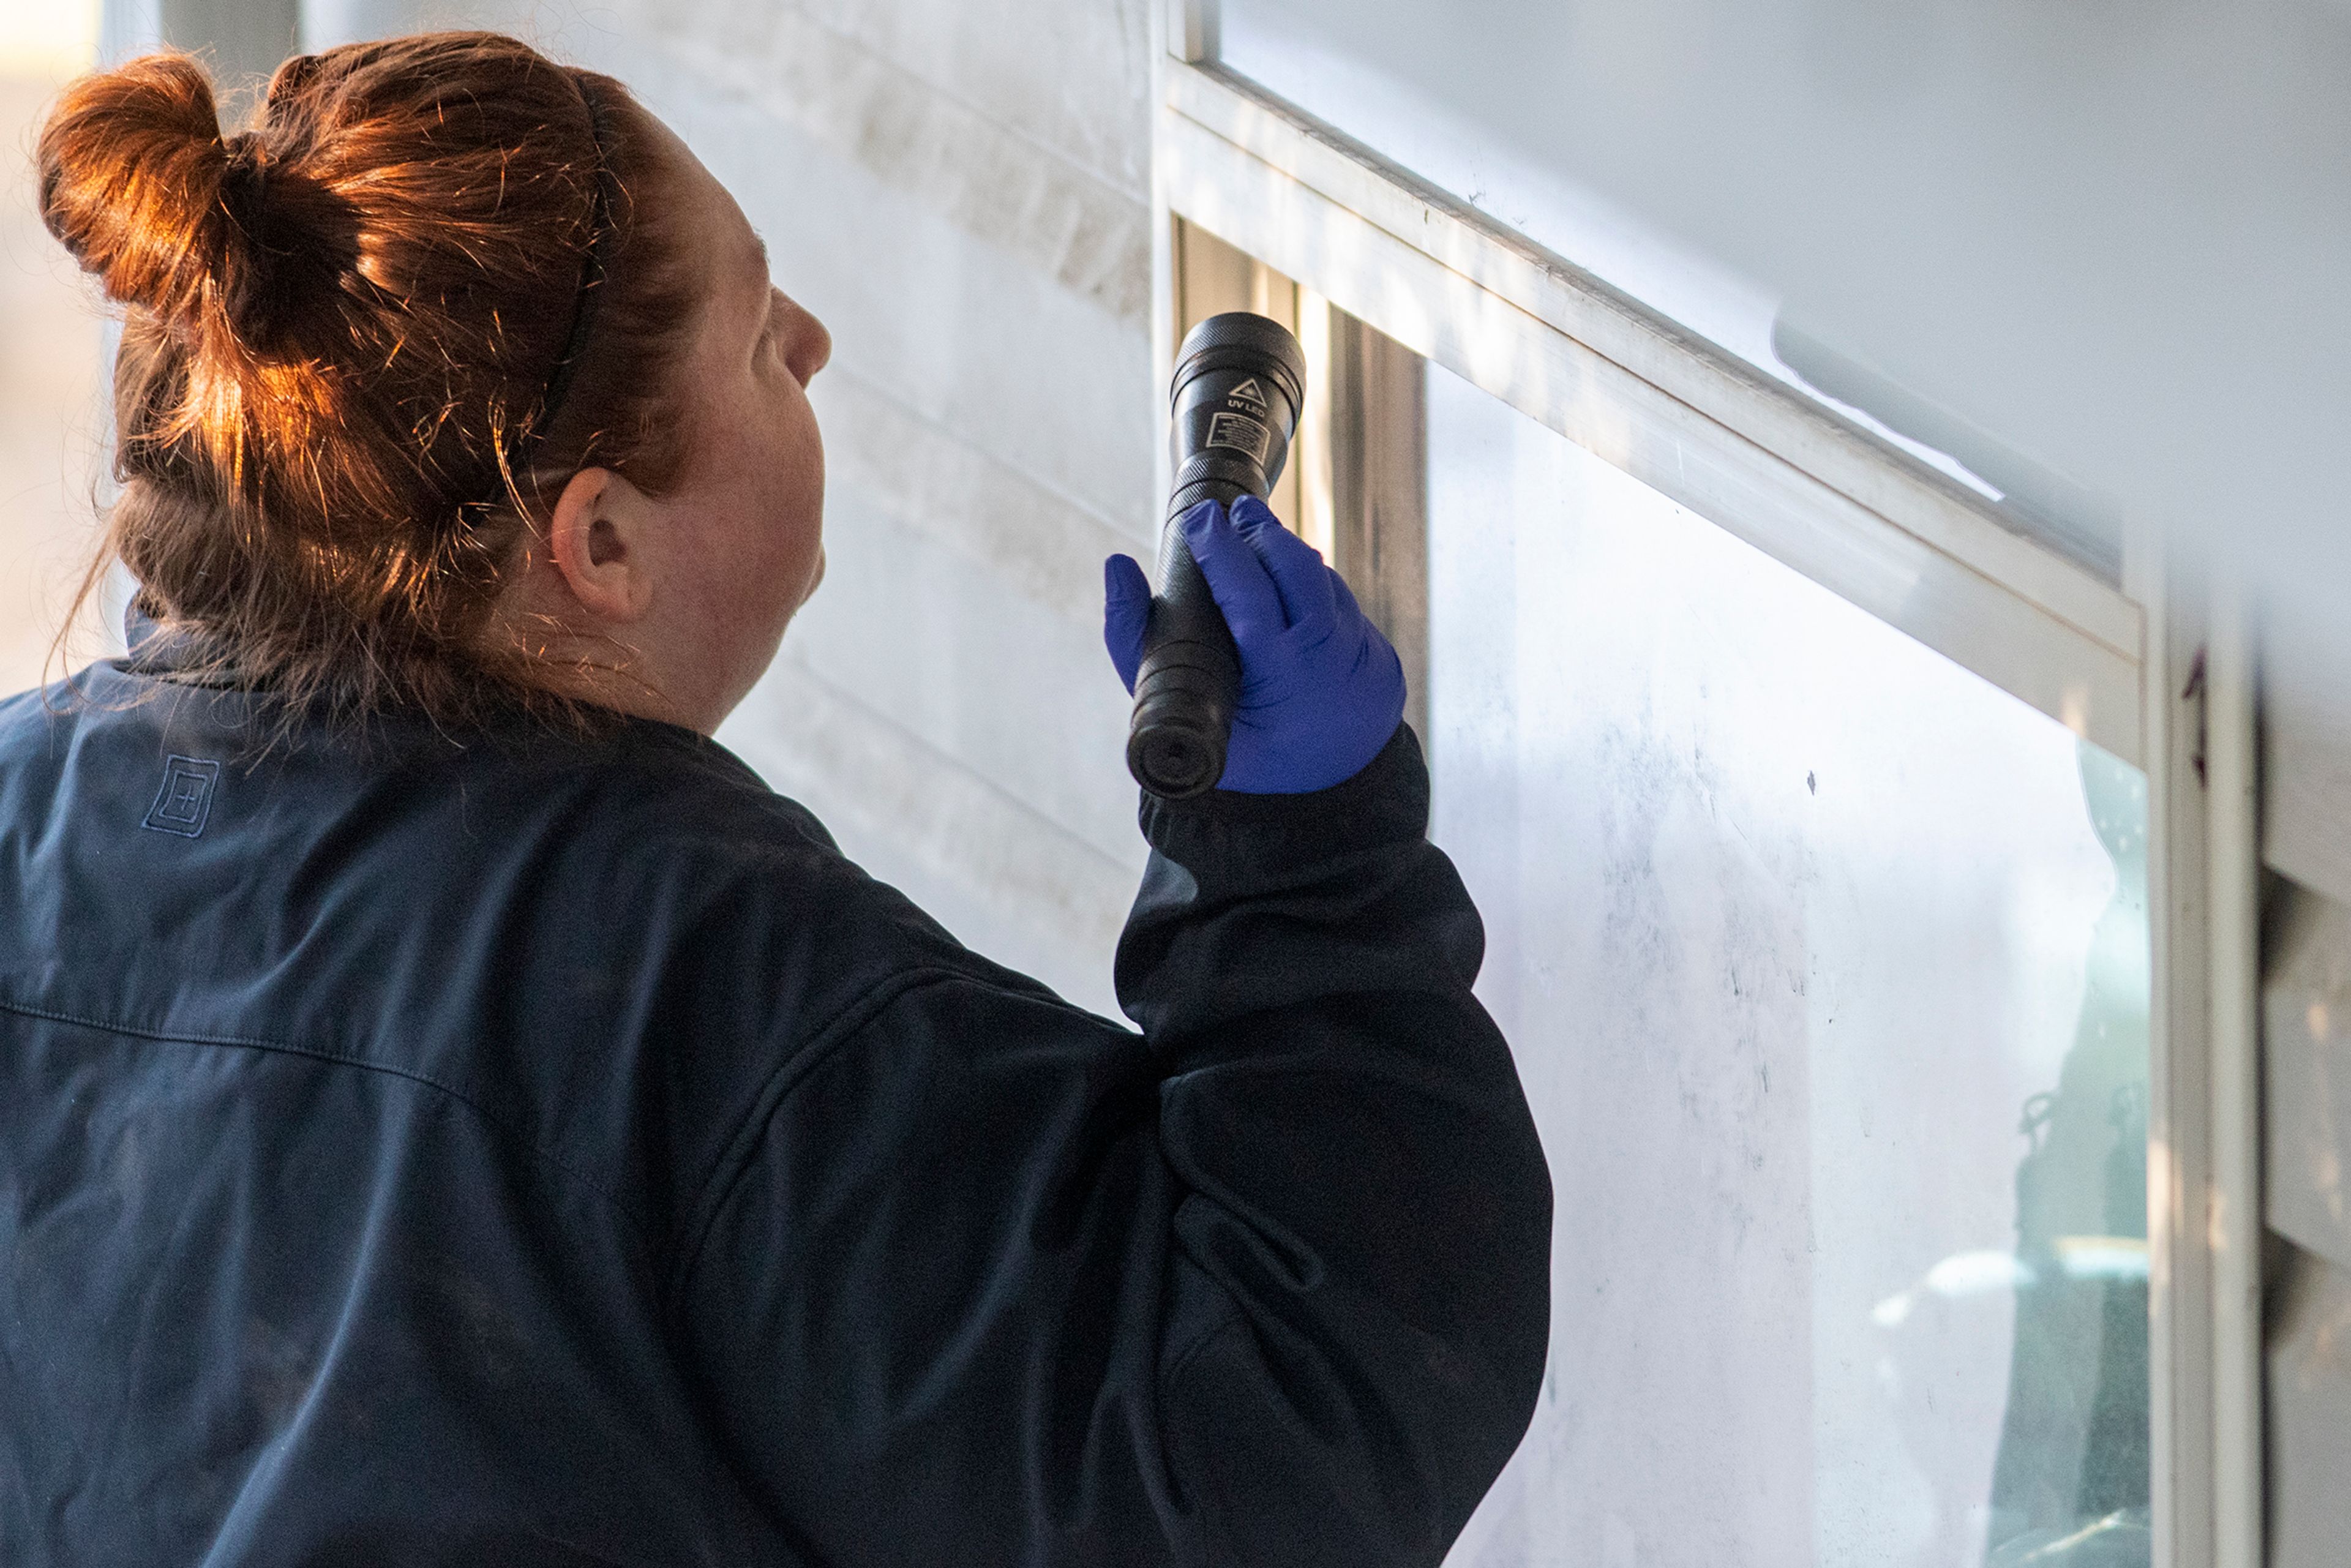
(1322, 691)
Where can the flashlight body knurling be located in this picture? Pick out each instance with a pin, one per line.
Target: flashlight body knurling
(1238, 387)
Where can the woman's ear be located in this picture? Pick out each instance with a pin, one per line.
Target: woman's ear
(600, 539)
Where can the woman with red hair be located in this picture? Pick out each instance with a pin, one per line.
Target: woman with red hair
(451, 1111)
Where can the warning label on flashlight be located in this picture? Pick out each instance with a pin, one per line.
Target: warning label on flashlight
(1241, 433)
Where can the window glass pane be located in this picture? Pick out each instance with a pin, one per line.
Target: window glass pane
(1826, 968)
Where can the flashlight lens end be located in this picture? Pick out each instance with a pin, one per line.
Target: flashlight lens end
(1175, 763)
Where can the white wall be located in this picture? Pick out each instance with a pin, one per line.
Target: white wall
(2112, 239)
(2307, 1036)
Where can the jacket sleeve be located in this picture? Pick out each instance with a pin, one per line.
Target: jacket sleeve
(1002, 1282)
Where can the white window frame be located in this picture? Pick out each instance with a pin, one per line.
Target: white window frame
(2156, 669)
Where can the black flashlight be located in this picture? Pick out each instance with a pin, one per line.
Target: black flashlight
(1239, 383)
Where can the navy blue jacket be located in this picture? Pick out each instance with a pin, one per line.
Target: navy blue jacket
(538, 1150)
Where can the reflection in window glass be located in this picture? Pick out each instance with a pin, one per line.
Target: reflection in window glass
(1826, 968)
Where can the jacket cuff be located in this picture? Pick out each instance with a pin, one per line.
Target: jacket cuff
(1223, 831)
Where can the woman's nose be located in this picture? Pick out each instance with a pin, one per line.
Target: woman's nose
(811, 346)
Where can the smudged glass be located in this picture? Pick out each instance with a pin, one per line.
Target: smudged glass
(1826, 963)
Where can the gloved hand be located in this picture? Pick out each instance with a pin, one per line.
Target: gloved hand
(1322, 690)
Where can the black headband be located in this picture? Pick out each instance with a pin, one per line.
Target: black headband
(591, 278)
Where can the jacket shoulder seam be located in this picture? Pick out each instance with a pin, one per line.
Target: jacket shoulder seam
(728, 1170)
(727, 1173)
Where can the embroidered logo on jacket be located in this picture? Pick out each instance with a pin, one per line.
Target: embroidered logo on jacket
(186, 797)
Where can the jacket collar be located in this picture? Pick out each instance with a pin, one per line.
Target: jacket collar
(157, 647)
